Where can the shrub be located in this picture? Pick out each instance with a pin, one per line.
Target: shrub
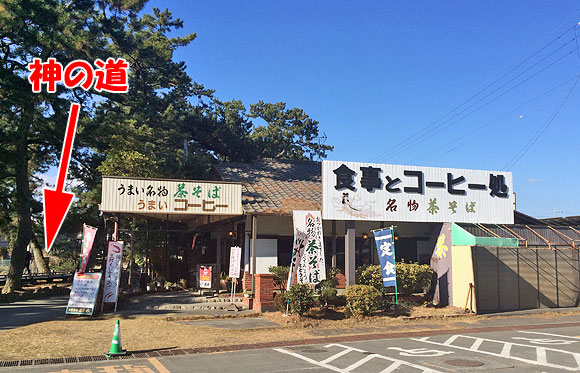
(370, 275)
(331, 276)
(280, 302)
(328, 295)
(280, 276)
(301, 298)
(413, 278)
(362, 300)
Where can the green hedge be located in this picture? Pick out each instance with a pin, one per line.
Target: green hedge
(301, 298)
(362, 300)
(411, 277)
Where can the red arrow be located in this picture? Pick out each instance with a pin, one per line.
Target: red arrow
(57, 202)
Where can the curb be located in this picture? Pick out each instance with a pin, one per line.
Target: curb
(255, 346)
(429, 317)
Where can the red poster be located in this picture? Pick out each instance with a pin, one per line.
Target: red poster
(205, 277)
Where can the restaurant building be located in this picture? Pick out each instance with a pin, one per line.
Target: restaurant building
(461, 222)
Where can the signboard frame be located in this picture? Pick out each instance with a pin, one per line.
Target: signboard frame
(170, 196)
(94, 277)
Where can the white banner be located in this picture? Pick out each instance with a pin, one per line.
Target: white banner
(312, 269)
(235, 258)
(383, 192)
(83, 294)
(113, 273)
(300, 241)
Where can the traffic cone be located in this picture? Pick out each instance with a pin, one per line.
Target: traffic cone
(116, 349)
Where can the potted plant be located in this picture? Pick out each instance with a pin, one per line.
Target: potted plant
(151, 285)
(248, 293)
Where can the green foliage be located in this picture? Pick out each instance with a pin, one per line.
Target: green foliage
(362, 300)
(331, 279)
(280, 276)
(413, 278)
(301, 298)
(66, 264)
(328, 295)
(370, 275)
(289, 133)
(166, 125)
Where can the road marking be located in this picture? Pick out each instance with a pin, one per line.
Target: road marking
(505, 351)
(157, 364)
(550, 334)
(546, 341)
(476, 344)
(541, 358)
(422, 352)
(336, 356)
(311, 361)
(394, 363)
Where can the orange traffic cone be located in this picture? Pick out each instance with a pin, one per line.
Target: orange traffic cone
(116, 349)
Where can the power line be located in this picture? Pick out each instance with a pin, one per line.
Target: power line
(407, 140)
(541, 131)
(446, 123)
(497, 118)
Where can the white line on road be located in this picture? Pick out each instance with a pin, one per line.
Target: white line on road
(540, 351)
(395, 363)
(311, 361)
(550, 334)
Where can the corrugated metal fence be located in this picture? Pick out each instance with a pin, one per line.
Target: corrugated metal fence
(509, 279)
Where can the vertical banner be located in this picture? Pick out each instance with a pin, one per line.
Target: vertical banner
(311, 267)
(205, 277)
(441, 264)
(83, 294)
(386, 250)
(114, 258)
(235, 258)
(89, 234)
(300, 240)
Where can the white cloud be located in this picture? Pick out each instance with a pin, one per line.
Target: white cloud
(532, 180)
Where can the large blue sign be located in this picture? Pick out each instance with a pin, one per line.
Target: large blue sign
(386, 249)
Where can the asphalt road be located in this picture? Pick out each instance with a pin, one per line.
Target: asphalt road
(554, 349)
(13, 315)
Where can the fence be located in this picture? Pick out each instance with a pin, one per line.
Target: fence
(522, 278)
(4, 266)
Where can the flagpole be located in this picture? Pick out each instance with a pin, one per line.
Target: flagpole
(396, 291)
(289, 282)
(82, 248)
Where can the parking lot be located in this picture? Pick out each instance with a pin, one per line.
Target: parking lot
(552, 349)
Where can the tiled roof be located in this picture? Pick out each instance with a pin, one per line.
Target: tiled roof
(569, 220)
(276, 187)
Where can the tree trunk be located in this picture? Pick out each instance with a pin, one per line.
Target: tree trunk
(39, 260)
(22, 204)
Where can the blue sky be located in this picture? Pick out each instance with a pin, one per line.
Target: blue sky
(376, 73)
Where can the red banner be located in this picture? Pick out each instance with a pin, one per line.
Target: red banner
(89, 234)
